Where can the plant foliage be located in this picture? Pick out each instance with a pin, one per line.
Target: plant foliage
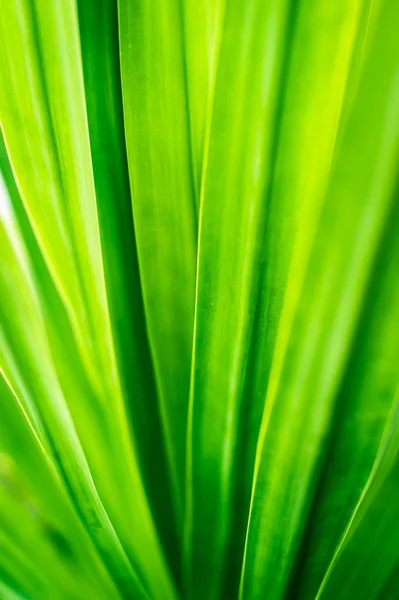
(199, 315)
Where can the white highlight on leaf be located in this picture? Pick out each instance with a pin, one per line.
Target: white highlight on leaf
(6, 211)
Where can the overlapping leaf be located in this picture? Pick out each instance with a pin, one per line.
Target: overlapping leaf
(199, 299)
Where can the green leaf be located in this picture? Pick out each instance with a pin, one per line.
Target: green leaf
(203, 28)
(356, 564)
(199, 300)
(230, 234)
(9, 593)
(164, 205)
(259, 214)
(100, 55)
(26, 357)
(303, 381)
(53, 118)
(367, 393)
